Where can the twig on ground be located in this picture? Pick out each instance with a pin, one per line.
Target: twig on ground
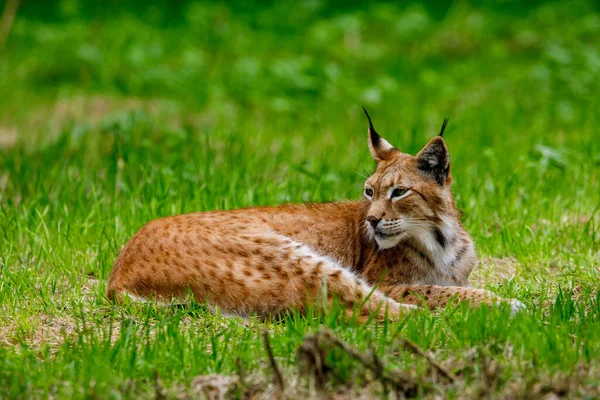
(311, 359)
(312, 351)
(159, 389)
(278, 375)
(241, 373)
(407, 344)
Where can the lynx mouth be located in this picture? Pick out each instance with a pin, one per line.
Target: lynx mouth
(385, 235)
(387, 240)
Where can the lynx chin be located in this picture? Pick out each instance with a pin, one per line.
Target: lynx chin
(401, 247)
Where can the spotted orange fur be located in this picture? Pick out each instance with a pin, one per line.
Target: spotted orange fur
(402, 245)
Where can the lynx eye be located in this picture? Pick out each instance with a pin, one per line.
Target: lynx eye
(368, 193)
(398, 193)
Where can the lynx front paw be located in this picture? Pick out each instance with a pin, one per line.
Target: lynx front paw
(409, 307)
(516, 306)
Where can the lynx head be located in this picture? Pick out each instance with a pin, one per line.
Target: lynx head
(409, 196)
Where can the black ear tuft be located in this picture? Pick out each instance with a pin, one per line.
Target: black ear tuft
(434, 160)
(379, 147)
(444, 126)
(374, 136)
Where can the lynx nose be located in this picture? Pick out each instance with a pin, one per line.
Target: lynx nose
(373, 220)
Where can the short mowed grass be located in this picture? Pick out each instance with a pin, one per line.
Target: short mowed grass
(112, 115)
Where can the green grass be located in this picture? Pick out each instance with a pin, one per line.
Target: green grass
(111, 116)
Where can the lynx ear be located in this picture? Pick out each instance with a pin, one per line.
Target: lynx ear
(434, 160)
(379, 147)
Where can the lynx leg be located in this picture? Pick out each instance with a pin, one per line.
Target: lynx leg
(339, 284)
(316, 276)
(438, 296)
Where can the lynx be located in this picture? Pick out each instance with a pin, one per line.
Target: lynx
(401, 247)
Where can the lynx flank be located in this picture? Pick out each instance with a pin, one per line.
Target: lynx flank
(404, 239)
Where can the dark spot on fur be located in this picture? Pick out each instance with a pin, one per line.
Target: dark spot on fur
(459, 255)
(242, 252)
(440, 238)
(419, 253)
(335, 275)
(190, 277)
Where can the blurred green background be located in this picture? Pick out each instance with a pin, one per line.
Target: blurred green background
(113, 113)
(229, 104)
(481, 62)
